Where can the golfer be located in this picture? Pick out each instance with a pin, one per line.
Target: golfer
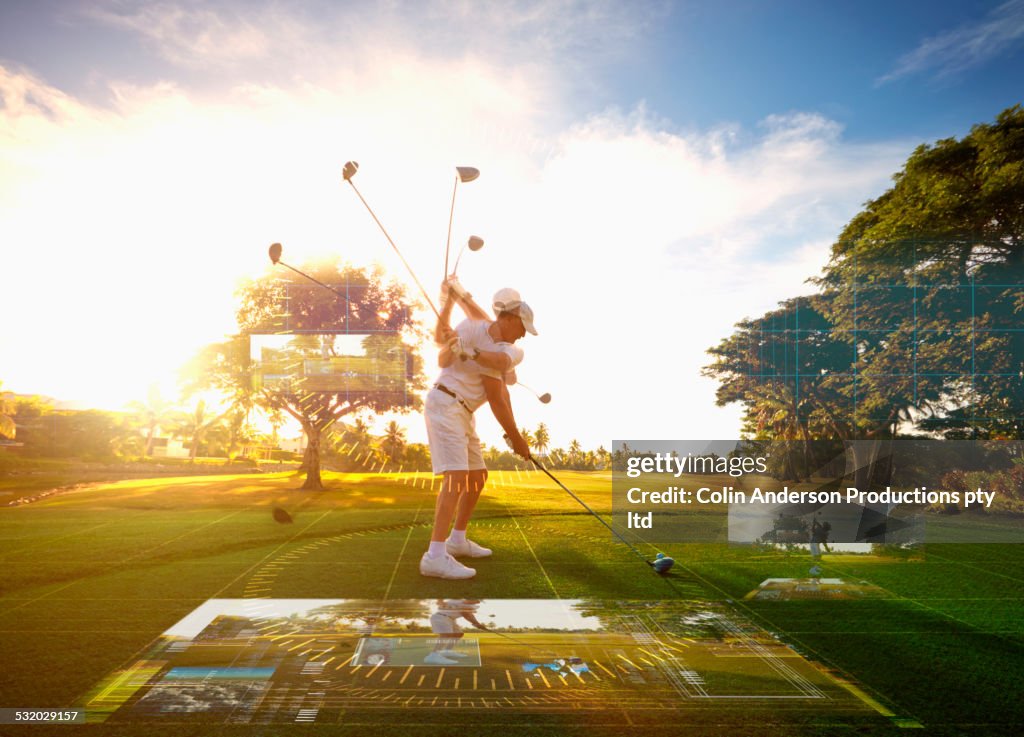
(477, 362)
(444, 623)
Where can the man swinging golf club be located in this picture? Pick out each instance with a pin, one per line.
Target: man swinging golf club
(477, 359)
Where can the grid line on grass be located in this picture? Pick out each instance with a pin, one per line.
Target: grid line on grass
(529, 547)
(124, 563)
(269, 555)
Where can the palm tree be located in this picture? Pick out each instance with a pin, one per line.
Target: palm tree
(359, 432)
(541, 438)
(575, 454)
(239, 431)
(151, 413)
(195, 425)
(527, 436)
(394, 441)
(7, 426)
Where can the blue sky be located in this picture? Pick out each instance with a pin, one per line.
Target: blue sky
(853, 62)
(652, 172)
(865, 63)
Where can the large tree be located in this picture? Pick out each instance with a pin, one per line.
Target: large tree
(332, 357)
(918, 319)
(794, 378)
(927, 283)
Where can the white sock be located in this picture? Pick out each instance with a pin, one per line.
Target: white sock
(436, 549)
(458, 537)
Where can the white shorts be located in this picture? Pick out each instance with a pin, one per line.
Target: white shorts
(442, 624)
(451, 432)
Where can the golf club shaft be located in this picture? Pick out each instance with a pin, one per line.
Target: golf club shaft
(458, 259)
(385, 232)
(584, 505)
(451, 216)
(521, 642)
(474, 243)
(532, 391)
(315, 281)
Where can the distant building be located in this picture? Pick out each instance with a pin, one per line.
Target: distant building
(169, 448)
(294, 445)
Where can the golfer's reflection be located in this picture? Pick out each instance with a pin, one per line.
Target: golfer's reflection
(445, 624)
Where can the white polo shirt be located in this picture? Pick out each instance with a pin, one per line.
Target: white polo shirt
(464, 377)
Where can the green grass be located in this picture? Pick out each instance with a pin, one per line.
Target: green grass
(92, 576)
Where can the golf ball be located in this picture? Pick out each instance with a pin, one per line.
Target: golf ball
(662, 564)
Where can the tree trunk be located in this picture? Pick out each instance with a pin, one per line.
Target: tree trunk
(862, 455)
(789, 467)
(810, 462)
(312, 459)
(149, 440)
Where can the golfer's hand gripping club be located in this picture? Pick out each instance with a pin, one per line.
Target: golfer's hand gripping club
(458, 348)
(453, 287)
(519, 446)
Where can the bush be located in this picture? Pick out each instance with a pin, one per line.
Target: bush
(1008, 486)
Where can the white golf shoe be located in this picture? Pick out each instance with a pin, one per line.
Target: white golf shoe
(468, 549)
(454, 654)
(444, 566)
(436, 658)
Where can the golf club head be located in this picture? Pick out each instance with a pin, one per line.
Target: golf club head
(275, 252)
(544, 398)
(475, 243)
(349, 170)
(662, 564)
(466, 173)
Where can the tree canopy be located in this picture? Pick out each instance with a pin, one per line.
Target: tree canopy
(318, 358)
(919, 316)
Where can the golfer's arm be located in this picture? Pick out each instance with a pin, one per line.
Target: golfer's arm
(501, 404)
(472, 309)
(495, 360)
(444, 321)
(445, 357)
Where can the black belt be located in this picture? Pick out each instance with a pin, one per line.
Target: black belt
(455, 396)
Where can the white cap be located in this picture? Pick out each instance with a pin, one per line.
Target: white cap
(509, 300)
(503, 297)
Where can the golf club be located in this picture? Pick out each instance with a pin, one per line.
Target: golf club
(475, 243)
(349, 171)
(462, 174)
(275, 258)
(661, 563)
(521, 642)
(544, 398)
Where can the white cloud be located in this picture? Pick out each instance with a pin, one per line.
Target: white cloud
(642, 247)
(198, 36)
(638, 245)
(306, 41)
(963, 48)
